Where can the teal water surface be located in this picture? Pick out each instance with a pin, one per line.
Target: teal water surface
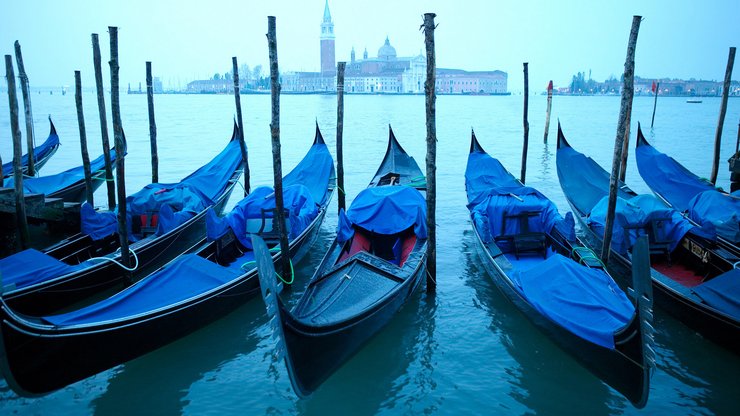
(467, 350)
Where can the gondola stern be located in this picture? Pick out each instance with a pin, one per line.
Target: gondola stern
(318, 138)
(561, 138)
(475, 146)
(641, 141)
(52, 128)
(393, 143)
(235, 132)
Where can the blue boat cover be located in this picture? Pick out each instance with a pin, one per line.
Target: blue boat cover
(53, 183)
(193, 194)
(39, 152)
(722, 293)
(718, 210)
(314, 172)
(668, 178)
(493, 192)
(385, 210)
(30, 267)
(639, 211)
(187, 276)
(297, 200)
(583, 180)
(584, 301)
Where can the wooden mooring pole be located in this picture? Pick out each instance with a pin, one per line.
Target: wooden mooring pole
(20, 205)
(549, 107)
(277, 166)
(525, 122)
(152, 122)
(625, 147)
(118, 136)
(722, 112)
(103, 123)
(83, 140)
(340, 131)
(28, 114)
(655, 104)
(628, 92)
(431, 171)
(240, 123)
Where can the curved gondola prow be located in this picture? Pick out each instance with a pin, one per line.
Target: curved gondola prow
(561, 138)
(641, 141)
(318, 138)
(235, 132)
(52, 129)
(475, 146)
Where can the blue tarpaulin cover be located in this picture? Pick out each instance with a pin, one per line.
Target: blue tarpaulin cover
(193, 194)
(584, 301)
(187, 276)
(639, 211)
(493, 192)
(583, 180)
(297, 200)
(39, 152)
(385, 210)
(722, 293)
(54, 183)
(314, 172)
(668, 178)
(32, 266)
(720, 210)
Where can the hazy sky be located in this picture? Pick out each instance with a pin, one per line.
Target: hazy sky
(189, 40)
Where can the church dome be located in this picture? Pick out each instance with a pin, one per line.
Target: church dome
(387, 52)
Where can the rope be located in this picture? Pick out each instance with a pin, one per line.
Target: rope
(272, 250)
(119, 264)
(734, 266)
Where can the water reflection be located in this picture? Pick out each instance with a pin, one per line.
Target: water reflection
(376, 378)
(545, 379)
(159, 382)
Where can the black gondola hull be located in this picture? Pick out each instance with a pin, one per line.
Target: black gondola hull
(622, 370)
(39, 359)
(314, 353)
(50, 296)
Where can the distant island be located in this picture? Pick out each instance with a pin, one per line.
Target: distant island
(645, 86)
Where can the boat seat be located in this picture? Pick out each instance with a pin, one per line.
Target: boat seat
(658, 246)
(226, 248)
(264, 225)
(525, 241)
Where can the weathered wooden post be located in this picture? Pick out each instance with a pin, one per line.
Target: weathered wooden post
(277, 166)
(734, 164)
(83, 140)
(549, 107)
(118, 136)
(431, 171)
(525, 122)
(656, 88)
(240, 123)
(625, 148)
(103, 123)
(628, 92)
(722, 112)
(30, 138)
(20, 205)
(152, 123)
(341, 203)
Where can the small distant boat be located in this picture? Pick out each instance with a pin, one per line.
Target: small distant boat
(374, 265)
(693, 101)
(533, 256)
(41, 153)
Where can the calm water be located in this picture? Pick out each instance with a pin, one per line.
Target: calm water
(465, 351)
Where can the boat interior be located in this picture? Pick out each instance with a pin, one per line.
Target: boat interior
(394, 248)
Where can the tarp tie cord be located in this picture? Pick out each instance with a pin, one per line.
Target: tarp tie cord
(273, 250)
(136, 261)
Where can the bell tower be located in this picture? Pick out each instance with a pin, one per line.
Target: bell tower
(328, 61)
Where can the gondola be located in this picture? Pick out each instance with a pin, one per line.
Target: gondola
(68, 185)
(534, 258)
(369, 272)
(697, 198)
(41, 153)
(43, 353)
(164, 220)
(691, 280)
